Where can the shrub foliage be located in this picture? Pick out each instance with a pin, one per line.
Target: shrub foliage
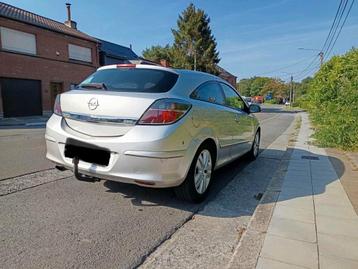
(332, 101)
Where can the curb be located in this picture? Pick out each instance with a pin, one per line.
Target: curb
(191, 247)
(249, 247)
(351, 160)
(23, 124)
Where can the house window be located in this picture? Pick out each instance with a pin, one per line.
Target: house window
(79, 53)
(14, 40)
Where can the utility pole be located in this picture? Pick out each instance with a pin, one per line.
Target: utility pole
(321, 55)
(194, 59)
(291, 92)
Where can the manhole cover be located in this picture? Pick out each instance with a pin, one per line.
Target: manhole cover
(309, 157)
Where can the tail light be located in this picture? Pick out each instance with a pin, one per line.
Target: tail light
(126, 65)
(165, 111)
(57, 107)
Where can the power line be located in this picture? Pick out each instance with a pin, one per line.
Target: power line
(329, 38)
(309, 72)
(344, 21)
(303, 75)
(337, 25)
(282, 68)
(334, 21)
(308, 66)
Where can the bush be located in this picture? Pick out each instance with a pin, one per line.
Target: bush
(332, 101)
(301, 102)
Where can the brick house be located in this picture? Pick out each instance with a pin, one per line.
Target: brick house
(227, 76)
(39, 58)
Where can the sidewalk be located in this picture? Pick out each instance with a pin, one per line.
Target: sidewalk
(313, 224)
(31, 121)
(210, 237)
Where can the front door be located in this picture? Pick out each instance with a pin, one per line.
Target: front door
(242, 126)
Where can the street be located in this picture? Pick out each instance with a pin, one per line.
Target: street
(167, 95)
(60, 222)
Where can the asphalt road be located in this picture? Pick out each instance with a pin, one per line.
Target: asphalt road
(64, 223)
(22, 151)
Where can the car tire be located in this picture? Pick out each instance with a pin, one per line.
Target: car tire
(197, 183)
(255, 148)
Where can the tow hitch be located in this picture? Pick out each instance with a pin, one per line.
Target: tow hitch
(80, 176)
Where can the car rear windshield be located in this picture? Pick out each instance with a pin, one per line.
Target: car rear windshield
(132, 80)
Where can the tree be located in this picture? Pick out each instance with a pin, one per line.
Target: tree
(157, 53)
(244, 87)
(302, 88)
(276, 87)
(262, 86)
(194, 45)
(257, 85)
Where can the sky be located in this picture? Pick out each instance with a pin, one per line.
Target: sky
(254, 38)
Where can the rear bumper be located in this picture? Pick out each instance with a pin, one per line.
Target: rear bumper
(155, 161)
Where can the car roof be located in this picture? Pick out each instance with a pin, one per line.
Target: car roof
(142, 66)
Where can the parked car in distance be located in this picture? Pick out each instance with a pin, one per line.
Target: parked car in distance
(151, 126)
(258, 99)
(247, 99)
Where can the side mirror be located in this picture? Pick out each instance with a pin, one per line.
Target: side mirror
(253, 108)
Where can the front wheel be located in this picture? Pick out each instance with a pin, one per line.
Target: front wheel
(196, 185)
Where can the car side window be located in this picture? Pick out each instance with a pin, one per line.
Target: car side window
(209, 92)
(232, 99)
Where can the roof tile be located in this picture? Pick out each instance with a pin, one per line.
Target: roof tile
(25, 16)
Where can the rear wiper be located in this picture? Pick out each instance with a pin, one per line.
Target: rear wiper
(100, 86)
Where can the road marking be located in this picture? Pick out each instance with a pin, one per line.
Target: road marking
(26, 174)
(12, 185)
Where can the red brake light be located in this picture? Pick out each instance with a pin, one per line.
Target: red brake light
(57, 107)
(126, 65)
(165, 111)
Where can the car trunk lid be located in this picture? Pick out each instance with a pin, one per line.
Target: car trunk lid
(102, 113)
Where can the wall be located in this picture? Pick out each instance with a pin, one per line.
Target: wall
(51, 64)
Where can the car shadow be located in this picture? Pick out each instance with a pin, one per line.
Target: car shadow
(238, 187)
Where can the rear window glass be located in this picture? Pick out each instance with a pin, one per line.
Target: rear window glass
(134, 80)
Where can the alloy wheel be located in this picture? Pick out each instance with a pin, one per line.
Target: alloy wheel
(203, 170)
(256, 146)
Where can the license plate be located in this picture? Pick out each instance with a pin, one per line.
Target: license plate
(87, 152)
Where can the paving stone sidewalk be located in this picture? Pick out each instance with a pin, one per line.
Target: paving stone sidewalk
(313, 224)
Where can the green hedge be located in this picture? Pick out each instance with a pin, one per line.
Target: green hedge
(332, 101)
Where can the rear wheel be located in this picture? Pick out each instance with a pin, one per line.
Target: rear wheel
(255, 148)
(196, 185)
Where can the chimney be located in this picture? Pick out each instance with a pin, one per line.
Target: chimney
(70, 23)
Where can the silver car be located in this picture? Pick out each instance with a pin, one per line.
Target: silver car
(151, 126)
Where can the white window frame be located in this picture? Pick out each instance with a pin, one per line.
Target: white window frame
(79, 53)
(21, 42)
